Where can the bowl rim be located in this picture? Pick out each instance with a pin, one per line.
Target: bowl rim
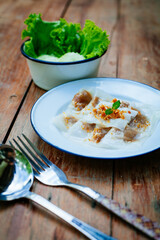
(57, 63)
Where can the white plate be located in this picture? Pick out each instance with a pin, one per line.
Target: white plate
(56, 100)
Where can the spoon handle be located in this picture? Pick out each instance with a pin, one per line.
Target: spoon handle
(145, 225)
(84, 228)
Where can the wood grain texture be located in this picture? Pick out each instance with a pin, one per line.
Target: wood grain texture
(15, 76)
(139, 47)
(133, 54)
(135, 181)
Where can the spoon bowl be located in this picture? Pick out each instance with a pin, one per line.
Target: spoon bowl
(16, 174)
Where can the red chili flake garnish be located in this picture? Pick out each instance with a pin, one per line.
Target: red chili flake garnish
(114, 100)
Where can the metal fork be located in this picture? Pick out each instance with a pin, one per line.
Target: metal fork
(48, 173)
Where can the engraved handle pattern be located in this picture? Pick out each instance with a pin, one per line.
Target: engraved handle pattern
(142, 223)
(145, 225)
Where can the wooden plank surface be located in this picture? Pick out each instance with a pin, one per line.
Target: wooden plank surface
(139, 50)
(133, 182)
(15, 76)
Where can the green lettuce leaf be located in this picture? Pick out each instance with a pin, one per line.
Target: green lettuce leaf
(38, 32)
(66, 38)
(95, 41)
(60, 37)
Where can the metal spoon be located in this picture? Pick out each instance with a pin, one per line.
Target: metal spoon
(16, 178)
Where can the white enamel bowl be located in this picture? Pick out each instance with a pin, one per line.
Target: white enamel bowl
(47, 75)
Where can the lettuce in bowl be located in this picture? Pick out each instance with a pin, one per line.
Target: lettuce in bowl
(60, 37)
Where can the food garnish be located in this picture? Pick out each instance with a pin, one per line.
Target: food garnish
(115, 106)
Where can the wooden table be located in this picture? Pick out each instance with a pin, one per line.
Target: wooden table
(134, 53)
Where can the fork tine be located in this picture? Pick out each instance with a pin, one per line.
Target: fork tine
(38, 152)
(27, 156)
(33, 155)
(11, 144)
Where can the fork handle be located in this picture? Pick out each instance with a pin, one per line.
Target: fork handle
(145, 225)
(84, 228)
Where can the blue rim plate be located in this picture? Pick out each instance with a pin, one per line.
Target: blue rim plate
(56, 100)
